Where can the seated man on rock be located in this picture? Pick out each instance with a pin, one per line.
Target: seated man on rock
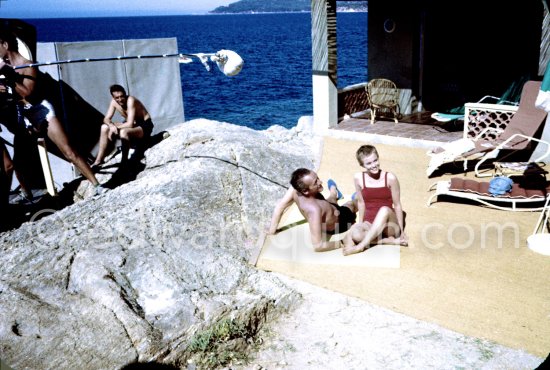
(137, 125)
(324, 216)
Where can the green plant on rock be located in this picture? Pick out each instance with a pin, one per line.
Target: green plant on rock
(219, 345)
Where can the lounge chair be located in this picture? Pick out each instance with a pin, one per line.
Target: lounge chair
(492, 128)
(518, 199)
(539, 241)
(509, 97)
(458, 113)
(382, 95)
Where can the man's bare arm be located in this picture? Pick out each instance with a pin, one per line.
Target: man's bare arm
(315, 228)
(285, 202)
(110, 113)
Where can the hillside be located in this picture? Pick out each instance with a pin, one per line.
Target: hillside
(277, 6)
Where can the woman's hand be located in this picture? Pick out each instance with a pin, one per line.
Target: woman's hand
(403, 240)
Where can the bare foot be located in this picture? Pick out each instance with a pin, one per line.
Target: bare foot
(393, 241)
(346, 251)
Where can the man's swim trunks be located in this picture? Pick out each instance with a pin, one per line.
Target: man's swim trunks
(146, 125)
(345, 219)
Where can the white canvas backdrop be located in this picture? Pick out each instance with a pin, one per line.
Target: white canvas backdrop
(156, 82)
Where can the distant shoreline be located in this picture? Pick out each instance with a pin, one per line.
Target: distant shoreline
(186, 14)
(289, 12)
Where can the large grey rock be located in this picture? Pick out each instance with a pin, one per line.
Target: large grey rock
(133, 274)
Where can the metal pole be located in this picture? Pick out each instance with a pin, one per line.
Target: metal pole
(229, 62)
(83, 60)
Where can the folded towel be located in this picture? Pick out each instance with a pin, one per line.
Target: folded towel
(448, 153)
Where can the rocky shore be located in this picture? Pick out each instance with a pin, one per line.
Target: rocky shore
(137, 274)
(157, 271)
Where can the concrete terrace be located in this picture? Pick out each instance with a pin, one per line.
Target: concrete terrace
(415, 130)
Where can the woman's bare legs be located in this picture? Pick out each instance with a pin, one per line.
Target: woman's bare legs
(355, 234)
(9, 168)
(362, 235)
(57, 135)
(8, 164)
(6, 174)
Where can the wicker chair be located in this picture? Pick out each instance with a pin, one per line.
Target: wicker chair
(383, 96)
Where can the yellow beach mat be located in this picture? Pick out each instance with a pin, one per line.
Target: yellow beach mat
(467, 267)
(293, 244)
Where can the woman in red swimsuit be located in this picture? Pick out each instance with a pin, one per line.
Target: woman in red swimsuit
(379, 204)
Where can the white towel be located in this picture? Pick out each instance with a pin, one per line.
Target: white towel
(448, 153)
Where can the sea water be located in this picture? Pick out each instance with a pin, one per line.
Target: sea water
(275, 85)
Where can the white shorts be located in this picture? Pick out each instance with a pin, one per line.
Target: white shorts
(35, 115)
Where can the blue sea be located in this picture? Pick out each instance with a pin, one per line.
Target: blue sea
(275, 85)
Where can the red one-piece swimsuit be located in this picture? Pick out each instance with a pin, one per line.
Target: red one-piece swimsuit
(376, 198)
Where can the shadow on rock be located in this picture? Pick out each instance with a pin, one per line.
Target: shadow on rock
(16, 214)
(125, 173)
(13, 215)
(128, 172)
(148, 366)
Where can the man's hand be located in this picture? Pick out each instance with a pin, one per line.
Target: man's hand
(326, 246)
(113, 131)
(271, 231)
(280, 208)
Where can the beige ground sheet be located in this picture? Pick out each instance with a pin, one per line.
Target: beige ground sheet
(467, 267)
(293, 243)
